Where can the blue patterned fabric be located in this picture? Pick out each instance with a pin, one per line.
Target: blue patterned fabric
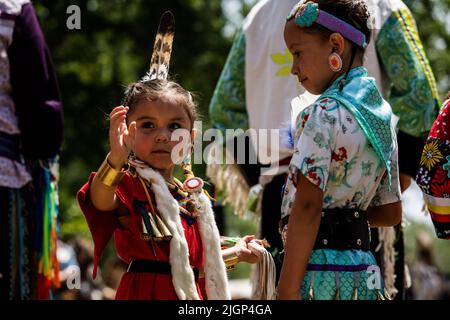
(362, 98)
(324, 284)
(308, 15)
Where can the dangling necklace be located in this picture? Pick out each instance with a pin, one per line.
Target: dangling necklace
(191, 209)
(177, 187)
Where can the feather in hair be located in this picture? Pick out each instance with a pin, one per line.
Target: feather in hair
(162, 49)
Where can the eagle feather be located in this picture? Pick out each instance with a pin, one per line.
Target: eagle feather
(162, 49)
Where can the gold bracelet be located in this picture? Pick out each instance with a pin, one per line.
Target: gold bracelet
(109, 176)
(231, 261)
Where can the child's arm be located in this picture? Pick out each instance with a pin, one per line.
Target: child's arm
(385, 209)
(303, 227)
(240, 250)
(385, 215)
(103, 197)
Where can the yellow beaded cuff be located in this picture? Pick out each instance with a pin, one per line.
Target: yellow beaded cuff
(231, 261)
(109, 176)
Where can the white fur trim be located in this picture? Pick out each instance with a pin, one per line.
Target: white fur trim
(216, 278)
(182, 275)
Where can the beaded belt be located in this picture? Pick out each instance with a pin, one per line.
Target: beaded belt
(342, 229)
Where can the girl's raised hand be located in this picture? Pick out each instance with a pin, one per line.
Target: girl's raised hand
(119, 138)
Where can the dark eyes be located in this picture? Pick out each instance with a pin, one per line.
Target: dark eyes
(297, 54)
(148, 125)
(174, 126)
(151, 125)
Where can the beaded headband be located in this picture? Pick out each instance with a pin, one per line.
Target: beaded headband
(306, 13)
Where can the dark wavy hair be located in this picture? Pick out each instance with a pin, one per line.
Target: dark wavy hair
(158, 89)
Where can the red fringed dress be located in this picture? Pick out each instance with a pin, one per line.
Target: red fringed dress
(130, 246)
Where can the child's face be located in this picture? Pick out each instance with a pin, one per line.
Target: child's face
(310, 53)
(155, 121)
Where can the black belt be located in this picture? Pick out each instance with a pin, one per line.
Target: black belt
(153, 266)
(342, 229)
(10, 147)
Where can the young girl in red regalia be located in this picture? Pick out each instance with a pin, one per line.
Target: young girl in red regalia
(164, 229)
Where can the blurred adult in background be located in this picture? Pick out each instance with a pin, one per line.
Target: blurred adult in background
(427, 282)
(30, 138)
(76, 258)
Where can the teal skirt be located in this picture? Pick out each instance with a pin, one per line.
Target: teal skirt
(342, 275)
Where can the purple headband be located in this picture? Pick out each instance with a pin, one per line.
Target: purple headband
(307, 13)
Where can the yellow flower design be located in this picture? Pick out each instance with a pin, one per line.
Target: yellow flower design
(284, 60)
(430, 155)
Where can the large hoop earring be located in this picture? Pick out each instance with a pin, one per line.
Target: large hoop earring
(335, 62)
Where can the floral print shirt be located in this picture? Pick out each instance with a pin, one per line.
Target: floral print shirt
(332, 152)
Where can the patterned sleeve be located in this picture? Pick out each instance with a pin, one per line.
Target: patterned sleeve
(227, 109)
(315, 142)
(413, 94)
(433, 176)
(385, 195)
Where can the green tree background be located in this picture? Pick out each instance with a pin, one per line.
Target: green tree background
(113, 48)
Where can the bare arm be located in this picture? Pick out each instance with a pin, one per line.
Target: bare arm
(102, 196)
(385, 215)
(303, 227)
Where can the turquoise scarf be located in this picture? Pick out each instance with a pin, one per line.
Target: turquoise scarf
(362, 98)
